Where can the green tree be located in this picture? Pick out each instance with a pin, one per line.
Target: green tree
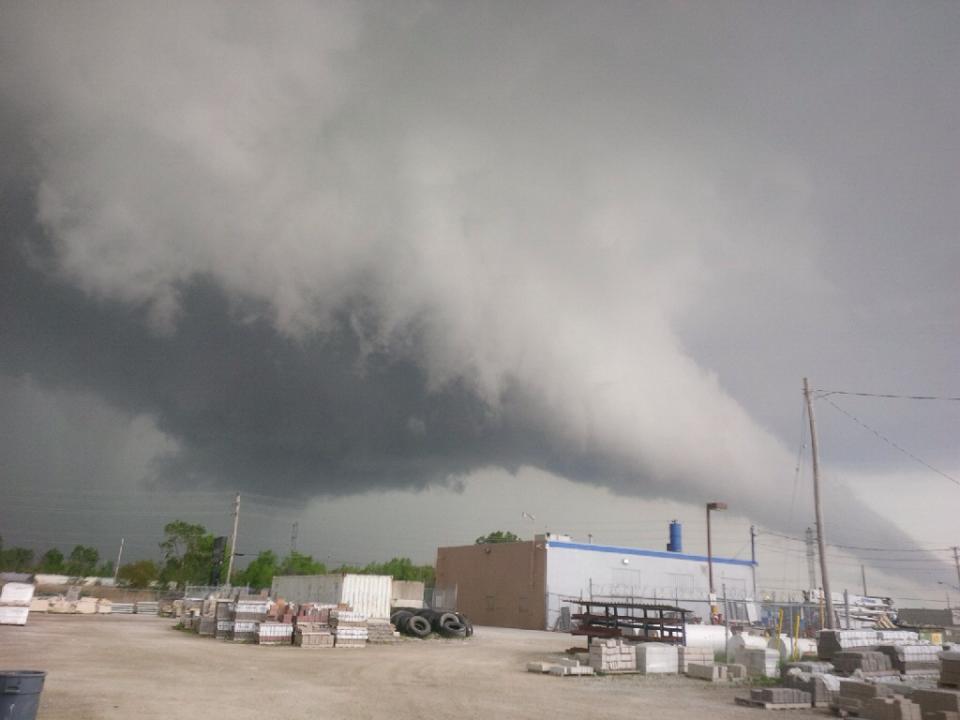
(82, 561)
(140, 574)
(16, 559)
(104, 569)
(259, 573)
(498, 536)
(52, 562)
(297, 564)
(187, 551)
(397, 568)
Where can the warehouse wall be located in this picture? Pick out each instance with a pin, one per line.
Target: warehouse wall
(575, 570)
(500, 584)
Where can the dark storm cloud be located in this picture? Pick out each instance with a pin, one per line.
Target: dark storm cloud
(329, 249)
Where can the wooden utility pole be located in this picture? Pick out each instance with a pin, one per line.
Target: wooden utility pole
(116, 570)
(863, 576)
(233, 538)
(753, 558)
(821, 540)
(956, 561)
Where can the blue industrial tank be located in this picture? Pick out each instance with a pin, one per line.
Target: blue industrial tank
(676, 537)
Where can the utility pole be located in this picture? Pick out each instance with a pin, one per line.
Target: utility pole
(821, 540)
(956, 561)
(863, 576)
(293, 538)
(233, 538)
(753, 558)
(811, 571)
(116, 570)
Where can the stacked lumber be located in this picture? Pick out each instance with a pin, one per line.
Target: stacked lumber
(612, 656)
(349, 628)
(381, 632)
(313, 635)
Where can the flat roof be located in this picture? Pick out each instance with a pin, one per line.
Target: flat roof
(645, 553)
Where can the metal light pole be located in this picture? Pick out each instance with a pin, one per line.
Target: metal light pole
(712, 506)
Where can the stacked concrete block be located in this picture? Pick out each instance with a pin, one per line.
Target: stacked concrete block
(891, 708)
(15, 599)
(657, 659)
(736, 671)
(710, 672)
(932, 701)
(568, 670)
(313, 635)
(86, 606)
(612, 656)
(759, 662)
(104, 607)
(950, 668)
(824, 688)
(120, 608)
(830, 642)
(274, 633)
(349, 628)
(381, 632)
(207, 626)
(808, 666)
(913, 659)
(854, 695)
(780, 696)
(687, 655)
(243, 631)
(146, 607)
(868, 662)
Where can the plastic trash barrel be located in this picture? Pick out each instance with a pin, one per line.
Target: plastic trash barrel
(20, 693)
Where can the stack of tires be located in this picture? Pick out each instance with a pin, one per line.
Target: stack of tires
(420, 623)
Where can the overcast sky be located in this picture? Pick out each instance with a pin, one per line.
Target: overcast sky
(403, 271)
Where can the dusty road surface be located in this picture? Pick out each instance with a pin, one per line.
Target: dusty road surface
(129, 666)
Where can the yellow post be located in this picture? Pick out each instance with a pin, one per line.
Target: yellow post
(795, 655)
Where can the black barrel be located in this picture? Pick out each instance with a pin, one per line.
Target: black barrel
(20, 693)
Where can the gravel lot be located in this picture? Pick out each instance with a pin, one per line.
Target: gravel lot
(129, 666)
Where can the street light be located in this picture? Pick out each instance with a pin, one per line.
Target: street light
(712, 506)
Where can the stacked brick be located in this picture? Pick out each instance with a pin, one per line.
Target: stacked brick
(868, 662)
(349, 628)
(707, 671)
(274, 633)
(950, 668)
(913, 659)
(760, 662)
(891, 708)
(313, 635)
(698, 655)
(612, 656)
(854, 695)
(248, 614)
(780, 696)
(932, 702)
(381, 632)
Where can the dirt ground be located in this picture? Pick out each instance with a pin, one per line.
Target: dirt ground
(129, 666)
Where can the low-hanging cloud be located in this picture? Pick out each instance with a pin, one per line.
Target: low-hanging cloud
(331, 251)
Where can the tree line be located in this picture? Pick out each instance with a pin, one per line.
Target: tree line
(187, 558)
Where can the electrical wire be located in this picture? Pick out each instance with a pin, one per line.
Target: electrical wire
(890, 396)
(892, 444)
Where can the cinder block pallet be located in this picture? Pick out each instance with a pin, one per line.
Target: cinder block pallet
(748, 702)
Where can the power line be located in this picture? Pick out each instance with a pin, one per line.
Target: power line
(892, 444)
(891, 396)
(861, 548)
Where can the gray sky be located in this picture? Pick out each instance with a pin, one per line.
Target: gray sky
(402, 272)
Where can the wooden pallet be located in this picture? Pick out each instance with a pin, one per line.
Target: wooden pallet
(750, 702)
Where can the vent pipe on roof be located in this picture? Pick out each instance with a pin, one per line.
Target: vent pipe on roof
(676, 537)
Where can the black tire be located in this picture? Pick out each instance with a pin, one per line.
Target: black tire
(418, 626)
(444, 619)
(400, 619)
(469, 626)
(453, 630)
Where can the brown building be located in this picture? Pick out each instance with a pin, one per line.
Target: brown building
(500, 584)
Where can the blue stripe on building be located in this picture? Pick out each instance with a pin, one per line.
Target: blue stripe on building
(646, 553)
